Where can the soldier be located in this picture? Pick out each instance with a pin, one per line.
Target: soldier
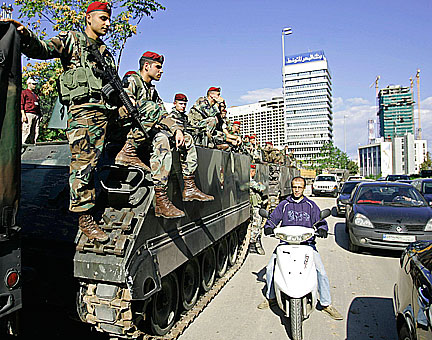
(267, 152)
(256, 201)
(161, 128)
(255, 149)
(80, 90)
(204, 113)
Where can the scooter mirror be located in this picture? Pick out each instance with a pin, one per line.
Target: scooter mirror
(325, 213)
(263, 213)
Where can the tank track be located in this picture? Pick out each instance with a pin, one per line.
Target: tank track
(120, 301)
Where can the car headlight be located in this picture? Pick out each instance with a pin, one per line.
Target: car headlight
(428, 225)
(362, 221)
(294, 238)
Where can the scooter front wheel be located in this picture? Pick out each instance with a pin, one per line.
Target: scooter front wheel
(296, 318)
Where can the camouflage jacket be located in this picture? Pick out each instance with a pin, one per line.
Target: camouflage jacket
(256, 193)
(201, 110)
(141, 92)
(82, 78)
(180, 117)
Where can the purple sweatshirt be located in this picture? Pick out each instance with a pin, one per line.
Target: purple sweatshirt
(304, 213)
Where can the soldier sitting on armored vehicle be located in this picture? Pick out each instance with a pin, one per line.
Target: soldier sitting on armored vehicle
(204, 115)
(230, 141)
(161, 128)
(88, 112)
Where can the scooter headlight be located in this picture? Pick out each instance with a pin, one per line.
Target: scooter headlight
(294, 238)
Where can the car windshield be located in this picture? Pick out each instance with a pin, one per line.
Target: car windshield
(427, 188)
(348, 187)
(397, 177)
(326, 178)
(390, 195)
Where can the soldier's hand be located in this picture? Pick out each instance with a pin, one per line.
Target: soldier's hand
(179, 138)
(19, 26)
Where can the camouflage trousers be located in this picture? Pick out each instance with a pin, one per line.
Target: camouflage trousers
(209, 124)
(161, 158)
(257, 224)
(86, 134)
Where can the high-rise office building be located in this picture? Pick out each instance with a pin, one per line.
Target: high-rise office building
(265, 119)
(396, 112)
(308, 104)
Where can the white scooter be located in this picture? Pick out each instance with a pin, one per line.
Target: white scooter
(295, 276)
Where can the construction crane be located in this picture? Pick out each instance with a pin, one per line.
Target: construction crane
(376, 85)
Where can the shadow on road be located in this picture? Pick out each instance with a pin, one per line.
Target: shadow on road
(341, 238)
(371, 318)
(260, 276)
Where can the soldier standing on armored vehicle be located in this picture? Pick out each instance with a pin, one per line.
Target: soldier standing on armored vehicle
(255, 150)
(161, 128)
(256, 201)
(80, 88)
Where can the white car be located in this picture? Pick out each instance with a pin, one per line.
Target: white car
(325, 185)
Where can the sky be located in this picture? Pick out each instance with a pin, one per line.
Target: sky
(237, 45)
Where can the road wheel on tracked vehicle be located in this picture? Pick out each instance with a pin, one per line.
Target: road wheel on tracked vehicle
(221, 257)
(208, 269)
(233, 248)
(189, 283)
(164, 305)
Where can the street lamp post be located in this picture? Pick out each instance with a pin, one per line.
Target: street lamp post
(285, 31)
(345, 116)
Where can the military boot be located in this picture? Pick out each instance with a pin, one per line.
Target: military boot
(164, 207)
(90, 228)
(128, 157)
(259, 248)
(191, 192)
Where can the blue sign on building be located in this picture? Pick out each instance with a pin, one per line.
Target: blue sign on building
(304, 57)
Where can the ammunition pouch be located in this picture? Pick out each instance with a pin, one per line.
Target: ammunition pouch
(78, 84)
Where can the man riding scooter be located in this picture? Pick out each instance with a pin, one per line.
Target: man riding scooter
(301, 211)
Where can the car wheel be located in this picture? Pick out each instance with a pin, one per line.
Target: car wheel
(353, 248)
(404, 333)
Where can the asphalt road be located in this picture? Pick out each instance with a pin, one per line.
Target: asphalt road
(361, 287)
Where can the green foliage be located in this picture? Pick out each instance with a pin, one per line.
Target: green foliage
(427, 164)
(331, 158)
(65, 15)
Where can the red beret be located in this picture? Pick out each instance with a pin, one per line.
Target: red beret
(269, 143)
(153, 56)
(253, 166)
(252, 137)
(236, 122)
(180, 96)
(128, 73)
(99, 6)
(214, 89)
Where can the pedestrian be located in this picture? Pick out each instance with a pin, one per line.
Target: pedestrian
(299, 210)
(256, 202)
(80, 88)
(30, 112)
(161, 128)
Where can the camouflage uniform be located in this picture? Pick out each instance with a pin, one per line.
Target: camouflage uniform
(203, 115)
(88, 113)
(256, 193)
(153, 113)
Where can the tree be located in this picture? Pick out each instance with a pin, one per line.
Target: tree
(331, 158)
(65, 15)
(427, 164)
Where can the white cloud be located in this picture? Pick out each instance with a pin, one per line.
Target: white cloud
(358, 101)
(261, 94)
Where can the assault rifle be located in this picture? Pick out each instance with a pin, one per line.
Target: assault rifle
(115, 86)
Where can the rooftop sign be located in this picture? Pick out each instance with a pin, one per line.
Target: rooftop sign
(304, 57)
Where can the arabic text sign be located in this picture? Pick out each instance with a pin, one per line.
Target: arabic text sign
(304, 57)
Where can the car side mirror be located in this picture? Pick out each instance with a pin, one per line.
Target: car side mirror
(325, 213)
(264, 213)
